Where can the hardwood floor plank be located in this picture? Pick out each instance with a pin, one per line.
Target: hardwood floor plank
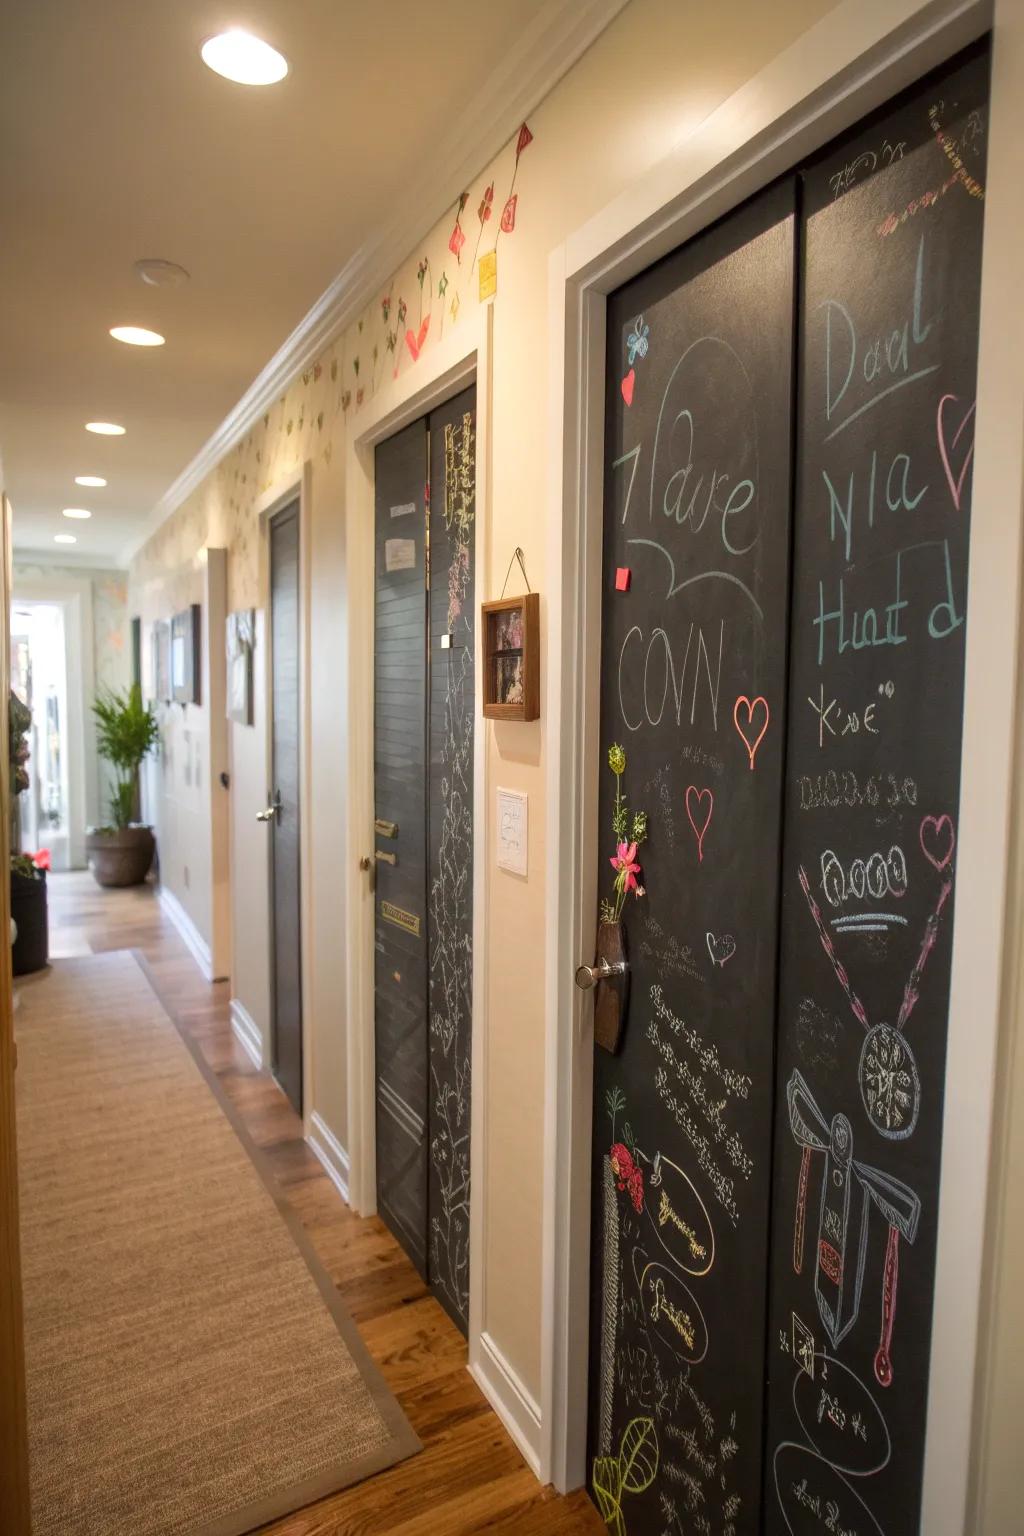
(469, 1477)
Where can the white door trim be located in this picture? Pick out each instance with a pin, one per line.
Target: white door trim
(298, 484)
(452, 365)
(854, 59)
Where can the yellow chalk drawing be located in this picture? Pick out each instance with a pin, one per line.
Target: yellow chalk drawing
(681, 1321)
(633, 1470)
(666, 1213)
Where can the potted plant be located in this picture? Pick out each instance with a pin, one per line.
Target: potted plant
(126, 732)
(30, 938)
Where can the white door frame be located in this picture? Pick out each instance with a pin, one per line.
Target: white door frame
(298, 484)
(855, 59)
(73, 596)
(462, 357)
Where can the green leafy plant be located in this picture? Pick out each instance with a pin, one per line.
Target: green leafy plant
(629, 834)
(24, 865)
(126, 732)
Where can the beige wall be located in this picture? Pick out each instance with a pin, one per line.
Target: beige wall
(650, 79)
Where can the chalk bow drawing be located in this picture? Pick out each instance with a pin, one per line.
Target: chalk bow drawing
(699, 805)
(748, 728)
(627, 386)
(843, 1232)
(638, 340)
(938, 839)
(721, 948)
(955, 481)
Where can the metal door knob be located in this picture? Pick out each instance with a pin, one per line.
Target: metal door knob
(273, 809)
(588, 976)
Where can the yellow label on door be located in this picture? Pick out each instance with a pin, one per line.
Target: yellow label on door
(401, 919)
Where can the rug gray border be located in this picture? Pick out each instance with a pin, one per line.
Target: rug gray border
(404, 1440)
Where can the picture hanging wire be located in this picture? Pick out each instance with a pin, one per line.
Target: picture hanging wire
(517, 554)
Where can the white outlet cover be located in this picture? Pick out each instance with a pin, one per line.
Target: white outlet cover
(512, 830)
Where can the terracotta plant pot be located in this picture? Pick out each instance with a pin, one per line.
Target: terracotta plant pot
(120, 855)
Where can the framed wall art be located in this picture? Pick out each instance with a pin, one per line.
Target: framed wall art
(241, 636)
(512, 658)
(186, 643)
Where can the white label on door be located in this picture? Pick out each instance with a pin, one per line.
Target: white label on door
(405, 510)
(512, 831)
(399, 554)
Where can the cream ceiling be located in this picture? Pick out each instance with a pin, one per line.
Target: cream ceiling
(116, 143)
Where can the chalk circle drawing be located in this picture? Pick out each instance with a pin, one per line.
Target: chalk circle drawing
(841, 1419)
(628, 385)
(757, 715)
(955, 481)
(721, 947)
(938, 839)
(673, 1314)
(876, 877)
(699, 805)
(890, 1086)
(814, 1497)
(679, 1217)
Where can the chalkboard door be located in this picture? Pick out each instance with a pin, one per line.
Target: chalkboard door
(424, 671)
(696, 557)
(891, 236)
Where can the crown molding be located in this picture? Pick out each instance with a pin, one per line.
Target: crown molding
(544, 53)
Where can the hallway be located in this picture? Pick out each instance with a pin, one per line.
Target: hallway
(469, 1476)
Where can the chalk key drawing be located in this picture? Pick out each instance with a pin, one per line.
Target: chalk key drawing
(750, 717)
(700, 803)
(842, 1239)
(451, 894)
(633, 1470)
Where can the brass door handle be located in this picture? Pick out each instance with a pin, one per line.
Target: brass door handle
(273, 809)
(385, 828)
(385, 858)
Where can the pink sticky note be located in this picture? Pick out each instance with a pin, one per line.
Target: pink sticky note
(622, 576)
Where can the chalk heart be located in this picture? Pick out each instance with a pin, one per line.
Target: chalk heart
(721, 949)
(950, 448)
(750, 717)
(938, 840)
(699, 805)
(627, 386)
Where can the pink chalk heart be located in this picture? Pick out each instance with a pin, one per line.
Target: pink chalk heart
(956, 483)
(699, 805)
(415, 342)
(748, 728)
(937, 840)
(627, 386)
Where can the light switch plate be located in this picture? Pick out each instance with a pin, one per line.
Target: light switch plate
(513, 849)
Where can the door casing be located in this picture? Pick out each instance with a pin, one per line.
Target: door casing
(855, 59)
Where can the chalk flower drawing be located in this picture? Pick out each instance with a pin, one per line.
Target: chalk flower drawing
(629, 834)
(627, 1174)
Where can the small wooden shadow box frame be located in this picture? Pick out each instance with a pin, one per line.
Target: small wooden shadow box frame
(512, 658)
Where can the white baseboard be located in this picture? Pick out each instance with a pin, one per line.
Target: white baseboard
(247, 1032)
(330, 1152)
(517, 1409)
(198, 946)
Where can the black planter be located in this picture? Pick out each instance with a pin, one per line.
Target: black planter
(31, 949)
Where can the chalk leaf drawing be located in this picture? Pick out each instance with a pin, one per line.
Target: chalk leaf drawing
(633, 1470)
(720, 948)
(699, 805)
(750, 717)
(938, 840)
(955, 481)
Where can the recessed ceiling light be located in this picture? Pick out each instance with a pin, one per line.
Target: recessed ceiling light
(243, 58)
(80, 512)
(105, 428)
(136, 336)
(96, 480)
(64, 538)
(157, 273)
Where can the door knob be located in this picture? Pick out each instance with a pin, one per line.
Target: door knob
(273, 809)
(588, 976)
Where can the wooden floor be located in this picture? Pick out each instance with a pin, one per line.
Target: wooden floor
(469, 1476)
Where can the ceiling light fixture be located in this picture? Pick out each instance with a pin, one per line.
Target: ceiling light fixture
(95, 480)
(157, 273)
(136, 336)
(105, 428)
(64, 538)
(80, 512)
(247, 60)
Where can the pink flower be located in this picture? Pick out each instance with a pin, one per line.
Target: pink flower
(624, 863)
(627, 1175)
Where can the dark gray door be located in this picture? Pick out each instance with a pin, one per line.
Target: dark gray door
(400, 807)
(423, 752)
(286, 939)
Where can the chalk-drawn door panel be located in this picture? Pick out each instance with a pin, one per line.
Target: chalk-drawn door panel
(693, 681)
(888, 329)
(400, 808)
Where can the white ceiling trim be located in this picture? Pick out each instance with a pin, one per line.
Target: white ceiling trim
(529, 71)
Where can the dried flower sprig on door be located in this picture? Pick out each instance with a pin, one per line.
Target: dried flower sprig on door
(629, 833)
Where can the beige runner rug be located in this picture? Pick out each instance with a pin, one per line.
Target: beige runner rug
(190, 1366)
